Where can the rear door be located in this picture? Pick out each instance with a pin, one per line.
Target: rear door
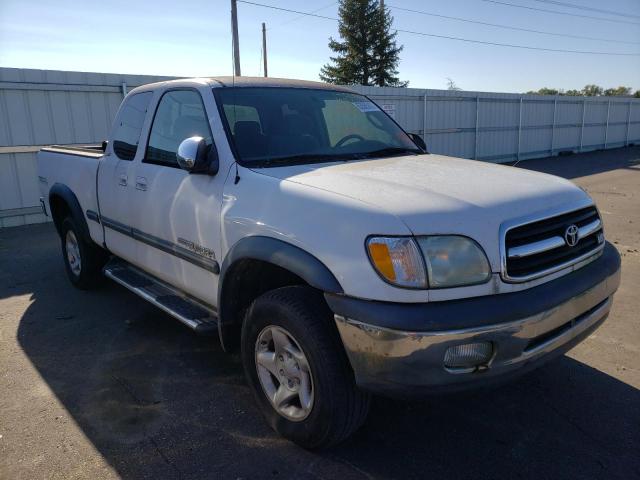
(177, 214)
(115, 181)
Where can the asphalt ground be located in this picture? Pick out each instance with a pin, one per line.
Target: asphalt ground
(102, 385)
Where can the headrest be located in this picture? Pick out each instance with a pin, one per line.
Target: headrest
(246, 128)
(298, 124)
(188, 126)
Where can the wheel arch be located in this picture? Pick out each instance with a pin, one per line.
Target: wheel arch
(63, 202)
(258, 264)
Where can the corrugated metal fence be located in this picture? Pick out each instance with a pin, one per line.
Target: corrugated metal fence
(41, 107)
(500, 127)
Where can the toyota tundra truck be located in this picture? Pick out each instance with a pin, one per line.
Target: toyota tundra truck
(299, 223)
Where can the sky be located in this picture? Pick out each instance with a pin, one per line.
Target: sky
(193, 38)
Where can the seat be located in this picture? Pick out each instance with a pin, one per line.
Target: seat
(249, 139)
(296, 137)
(187, 126)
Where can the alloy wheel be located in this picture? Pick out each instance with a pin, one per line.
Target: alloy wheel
(284, 373)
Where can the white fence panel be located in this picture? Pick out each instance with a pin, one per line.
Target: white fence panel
(502, 127)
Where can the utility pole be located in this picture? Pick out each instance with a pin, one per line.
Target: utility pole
(382, 6)
(264, 48)
(236, 43)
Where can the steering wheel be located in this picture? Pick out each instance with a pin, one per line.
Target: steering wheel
(353, 136)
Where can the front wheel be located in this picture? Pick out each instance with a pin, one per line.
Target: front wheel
(298, 370)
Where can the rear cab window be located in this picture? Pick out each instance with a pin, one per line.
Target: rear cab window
(127, 133)
(240, 113)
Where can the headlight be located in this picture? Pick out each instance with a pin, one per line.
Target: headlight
(453, 261)
(398, 261)
(438, 261)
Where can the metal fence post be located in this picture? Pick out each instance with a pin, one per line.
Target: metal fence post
(124, 89)
(424, 118)
(553, 125)
(606, 128)
(626, 136)
(476, 139)
(584, 109)
(519, 129)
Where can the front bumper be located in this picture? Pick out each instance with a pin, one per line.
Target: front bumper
(400, 348)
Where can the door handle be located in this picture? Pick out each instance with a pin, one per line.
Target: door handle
(141, 183)
(122, 181)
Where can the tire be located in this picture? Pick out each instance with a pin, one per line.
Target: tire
(338, 407)
(83, 263)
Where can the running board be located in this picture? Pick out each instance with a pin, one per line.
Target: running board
(201, 318)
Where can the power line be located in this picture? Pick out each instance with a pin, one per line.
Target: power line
(526, 47)
(584, 7)
(559, 13)
(291, 20)
(308, 14)
(508, 27)
(447, 37)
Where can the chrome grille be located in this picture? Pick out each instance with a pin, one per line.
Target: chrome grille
(539, 248)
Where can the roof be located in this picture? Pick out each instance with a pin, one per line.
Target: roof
(240, 82)
(224, 82)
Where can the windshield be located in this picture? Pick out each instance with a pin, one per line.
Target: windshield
(294, 125)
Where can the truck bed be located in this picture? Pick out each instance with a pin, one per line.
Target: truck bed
(90, 150)
(74, 167)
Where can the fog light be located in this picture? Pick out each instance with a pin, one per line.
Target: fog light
(468, 356)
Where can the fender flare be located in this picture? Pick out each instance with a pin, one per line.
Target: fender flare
(285, 255)
(279, 253)
(67, 195)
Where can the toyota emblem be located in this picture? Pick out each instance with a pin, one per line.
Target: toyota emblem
(571, 235)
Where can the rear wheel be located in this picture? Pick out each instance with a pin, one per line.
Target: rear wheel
(298, 370)
(83, 260)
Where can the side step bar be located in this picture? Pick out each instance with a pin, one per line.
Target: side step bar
(201, 318)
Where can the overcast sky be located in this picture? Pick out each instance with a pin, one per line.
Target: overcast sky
(192, 38)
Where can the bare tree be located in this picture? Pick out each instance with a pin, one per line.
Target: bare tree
(451, 85)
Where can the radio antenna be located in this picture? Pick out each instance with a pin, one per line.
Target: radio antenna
(235, 43)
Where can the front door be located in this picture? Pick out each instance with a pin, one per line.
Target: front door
(177, 214)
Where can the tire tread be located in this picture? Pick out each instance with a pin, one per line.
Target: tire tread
(350, 405)
(93, 258)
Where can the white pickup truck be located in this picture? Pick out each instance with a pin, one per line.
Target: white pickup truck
(304, 226)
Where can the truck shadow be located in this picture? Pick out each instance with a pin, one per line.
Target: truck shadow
(157, 401)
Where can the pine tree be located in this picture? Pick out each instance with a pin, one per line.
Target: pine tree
(368, 54)
(386, 54)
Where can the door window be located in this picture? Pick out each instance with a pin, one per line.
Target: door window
(180, 115)
(127, 133)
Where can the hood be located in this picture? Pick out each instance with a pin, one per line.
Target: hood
(435, 194)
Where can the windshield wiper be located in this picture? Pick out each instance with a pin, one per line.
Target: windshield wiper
(388, 152)
(303, 158)
(332, 157)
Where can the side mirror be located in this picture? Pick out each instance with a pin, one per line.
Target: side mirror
(195, 156)
(417, 139)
